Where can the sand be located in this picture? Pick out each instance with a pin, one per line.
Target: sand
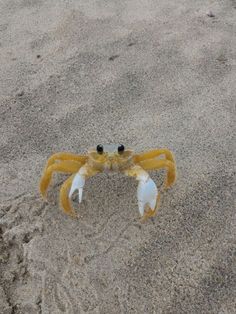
(147, 74)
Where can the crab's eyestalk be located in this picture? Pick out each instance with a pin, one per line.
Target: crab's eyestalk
(121, 148)
(100, 149)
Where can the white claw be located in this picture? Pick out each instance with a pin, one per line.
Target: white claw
(77, 186)
(80, 194)
(147, 194)
(141, 206)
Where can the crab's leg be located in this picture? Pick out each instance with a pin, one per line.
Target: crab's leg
(154, 164)
(155, 153)
(67, 166)
(65, 156)
(147, 191)
(64, 199)
(79, 180)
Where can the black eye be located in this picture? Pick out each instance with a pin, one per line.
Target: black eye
(121, 148)
(100, 149)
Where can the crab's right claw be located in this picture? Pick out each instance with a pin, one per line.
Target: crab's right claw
(147, 195)
(77, 186)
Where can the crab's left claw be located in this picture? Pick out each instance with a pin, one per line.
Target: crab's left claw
(77, 186)
(147, 191)
(147, 195)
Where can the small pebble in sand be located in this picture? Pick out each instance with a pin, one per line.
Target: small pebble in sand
(20, 93)
(38, 56)
(210, 14)
(112, 58)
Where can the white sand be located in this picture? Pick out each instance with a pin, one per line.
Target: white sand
(144, 73)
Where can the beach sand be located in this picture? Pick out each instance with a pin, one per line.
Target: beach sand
(148, 74)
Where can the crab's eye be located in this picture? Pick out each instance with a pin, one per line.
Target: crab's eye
(121, 148)
(100, 149)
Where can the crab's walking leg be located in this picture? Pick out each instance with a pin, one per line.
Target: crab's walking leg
(67, 166)
(64, 199)
(155, 164)
(155, 153)
(148, 161)
(79, 180)
(65, 156)
(147, 191)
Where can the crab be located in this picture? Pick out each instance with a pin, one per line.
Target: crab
(106, 158)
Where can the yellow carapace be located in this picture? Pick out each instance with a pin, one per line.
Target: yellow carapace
(110, 158)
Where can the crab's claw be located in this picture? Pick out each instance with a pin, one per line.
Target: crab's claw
(77, 186)
(147, 195)
(79, 181)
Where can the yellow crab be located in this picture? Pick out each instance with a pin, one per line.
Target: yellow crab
(110, 158)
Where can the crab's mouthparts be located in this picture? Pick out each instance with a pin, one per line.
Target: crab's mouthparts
(111, 166)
